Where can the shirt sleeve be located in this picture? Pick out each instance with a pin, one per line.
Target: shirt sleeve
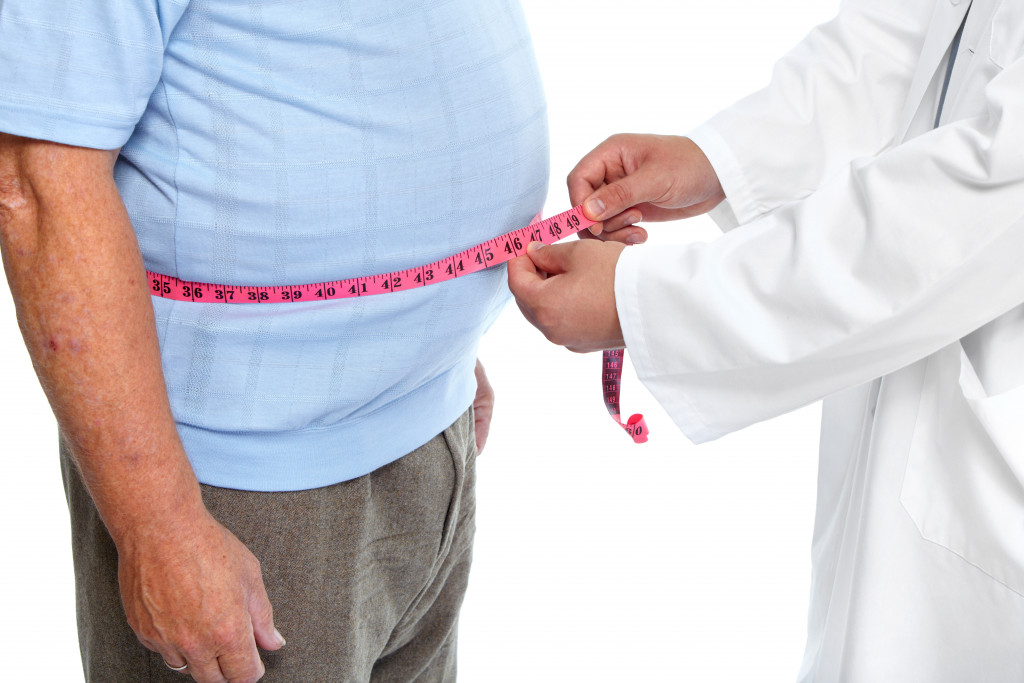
(81, 73)
(890, 260)
(835, 97)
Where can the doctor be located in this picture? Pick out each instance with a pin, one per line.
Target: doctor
(876, 188)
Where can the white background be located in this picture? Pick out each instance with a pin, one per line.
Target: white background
(596, 560)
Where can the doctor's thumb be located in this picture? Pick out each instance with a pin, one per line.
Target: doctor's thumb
(550, 259)
(617, 197)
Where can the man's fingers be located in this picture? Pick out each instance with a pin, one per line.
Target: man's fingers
(241, 662)
(206, 671)
(242, 666)
(262, 615)
(483, 407)
(174, 661)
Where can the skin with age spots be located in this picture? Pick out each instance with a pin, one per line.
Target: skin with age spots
(12, 193)
(60, 344)
(78, 283)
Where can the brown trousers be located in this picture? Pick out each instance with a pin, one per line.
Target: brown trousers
(366, 577)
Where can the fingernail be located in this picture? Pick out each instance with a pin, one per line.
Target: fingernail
(595, 207)
(635, 239)
(534, 246)
(280, 638)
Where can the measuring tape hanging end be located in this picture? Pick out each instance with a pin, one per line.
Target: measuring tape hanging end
(611, 380)
(636, 427)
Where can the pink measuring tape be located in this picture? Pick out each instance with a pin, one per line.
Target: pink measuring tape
(485, 255)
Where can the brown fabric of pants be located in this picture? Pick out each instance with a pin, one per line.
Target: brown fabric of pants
(366, 577)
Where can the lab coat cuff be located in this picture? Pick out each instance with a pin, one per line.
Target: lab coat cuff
(629, 303)
(740, 205)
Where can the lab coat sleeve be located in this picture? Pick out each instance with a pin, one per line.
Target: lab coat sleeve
(835, 97)
(890, 260)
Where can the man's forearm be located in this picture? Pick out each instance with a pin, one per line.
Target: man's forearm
(79, 288)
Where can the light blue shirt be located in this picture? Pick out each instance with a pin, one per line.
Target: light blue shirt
(293, 141)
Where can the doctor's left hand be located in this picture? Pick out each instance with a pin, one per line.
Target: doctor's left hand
(568, 292)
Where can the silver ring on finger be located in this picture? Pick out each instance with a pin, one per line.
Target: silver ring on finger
(175, 668)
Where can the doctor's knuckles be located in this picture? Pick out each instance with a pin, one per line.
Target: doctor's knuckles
(567, 291)
(631, 177)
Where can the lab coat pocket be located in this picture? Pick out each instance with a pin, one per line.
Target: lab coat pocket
(964, 481)
(1006, 43)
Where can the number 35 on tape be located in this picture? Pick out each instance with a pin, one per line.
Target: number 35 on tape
(485, 255)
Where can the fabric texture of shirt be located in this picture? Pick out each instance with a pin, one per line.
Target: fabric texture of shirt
(873, 261)
(266, 142)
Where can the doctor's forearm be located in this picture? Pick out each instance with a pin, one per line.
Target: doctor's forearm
(889, 261)
(79, 287)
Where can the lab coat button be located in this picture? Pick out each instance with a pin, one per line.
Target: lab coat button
(955, 2)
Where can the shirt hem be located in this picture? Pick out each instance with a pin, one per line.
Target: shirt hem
(295, 460)
(31, 122)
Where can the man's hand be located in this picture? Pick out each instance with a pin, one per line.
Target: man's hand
(629, 178)
(568, 292)
(483, 407)
(194, 594)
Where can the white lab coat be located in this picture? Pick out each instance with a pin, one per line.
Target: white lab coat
(879, 266)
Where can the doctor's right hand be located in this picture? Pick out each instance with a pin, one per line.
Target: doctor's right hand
(629, 178)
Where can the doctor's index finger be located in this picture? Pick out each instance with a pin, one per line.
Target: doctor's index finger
(600, 166)
(523, 277)
(584, 179)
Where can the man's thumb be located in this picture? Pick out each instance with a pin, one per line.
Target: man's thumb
(262, 615)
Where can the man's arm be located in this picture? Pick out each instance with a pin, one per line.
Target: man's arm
(191, 590)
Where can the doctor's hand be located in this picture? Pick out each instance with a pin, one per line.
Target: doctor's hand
(568, 292)
(629, 178)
